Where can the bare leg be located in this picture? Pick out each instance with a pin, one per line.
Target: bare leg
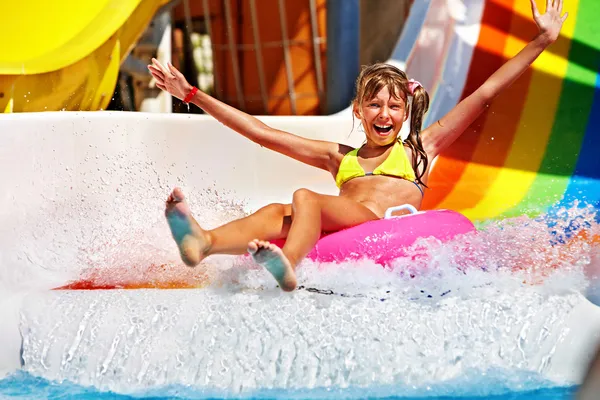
(312, 213)
(268, 223)
(301, 223)
(194, 243)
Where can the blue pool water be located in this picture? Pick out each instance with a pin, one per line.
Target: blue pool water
(25, 386)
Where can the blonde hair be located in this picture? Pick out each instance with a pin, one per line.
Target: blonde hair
(375, 77)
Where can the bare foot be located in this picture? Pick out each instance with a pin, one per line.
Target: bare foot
(272, 258)
(193, 242)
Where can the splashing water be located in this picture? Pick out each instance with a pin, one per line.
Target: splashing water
(556, 252)
(471, 291)
(112, 232)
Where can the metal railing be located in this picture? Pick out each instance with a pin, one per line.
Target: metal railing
(257, 46)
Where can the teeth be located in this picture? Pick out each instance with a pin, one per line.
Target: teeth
(383, 126)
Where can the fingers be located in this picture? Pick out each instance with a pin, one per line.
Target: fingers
(155, 71)
(534, 9)
(560, 6)
(158, 65)
(161, 74)
(173, 70)
(548, 5)
(158, 84)
(158, 77)
(564, 18)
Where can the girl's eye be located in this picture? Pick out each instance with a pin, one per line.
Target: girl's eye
(373, 105)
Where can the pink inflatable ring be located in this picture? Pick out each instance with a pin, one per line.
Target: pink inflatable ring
(386, 239)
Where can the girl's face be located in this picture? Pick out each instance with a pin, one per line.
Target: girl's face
(382, 117)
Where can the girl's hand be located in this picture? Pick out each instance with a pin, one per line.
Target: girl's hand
(170, 79)
(551, 22)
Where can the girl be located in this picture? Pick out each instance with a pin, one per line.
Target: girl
(382, 173)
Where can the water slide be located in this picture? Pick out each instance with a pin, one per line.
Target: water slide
(82, 202)
(66, 55)
(536, 146)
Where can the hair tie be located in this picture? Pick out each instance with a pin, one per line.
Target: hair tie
(413, 85)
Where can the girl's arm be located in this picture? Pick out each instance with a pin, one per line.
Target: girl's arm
(317, 153)
(443, 133)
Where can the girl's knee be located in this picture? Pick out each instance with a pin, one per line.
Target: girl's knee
(304, 195)
(275, 209)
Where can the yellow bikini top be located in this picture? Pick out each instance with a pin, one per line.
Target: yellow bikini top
(396, 164)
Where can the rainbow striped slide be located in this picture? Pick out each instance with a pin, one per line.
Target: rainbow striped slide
(538, 145)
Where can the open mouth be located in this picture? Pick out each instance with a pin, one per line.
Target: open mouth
(383, 129)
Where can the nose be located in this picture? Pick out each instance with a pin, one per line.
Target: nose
(384, 113)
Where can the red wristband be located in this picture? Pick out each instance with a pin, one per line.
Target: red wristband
(191, 94)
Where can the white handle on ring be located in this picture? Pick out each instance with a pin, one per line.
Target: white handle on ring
(389, 211)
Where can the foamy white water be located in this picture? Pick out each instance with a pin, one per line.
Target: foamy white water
(240, 339)
(349, 325)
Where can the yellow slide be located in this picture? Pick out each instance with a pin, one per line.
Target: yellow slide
(66, 54)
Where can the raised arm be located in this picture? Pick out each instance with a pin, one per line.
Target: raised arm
(316, 153)
(443, 133)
